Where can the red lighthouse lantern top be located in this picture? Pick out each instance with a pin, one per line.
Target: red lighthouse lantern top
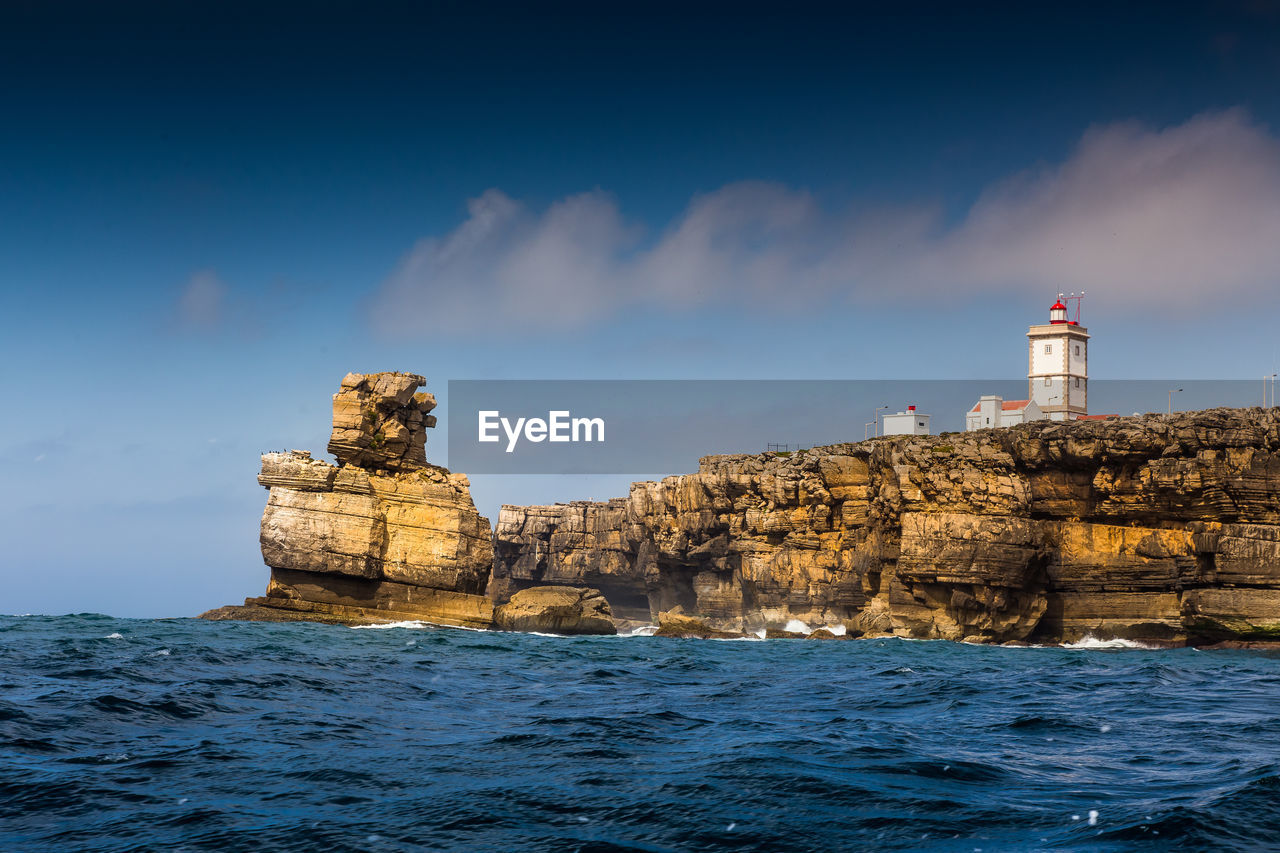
(1058, 311)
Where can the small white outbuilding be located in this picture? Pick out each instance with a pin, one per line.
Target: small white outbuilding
(909, 422)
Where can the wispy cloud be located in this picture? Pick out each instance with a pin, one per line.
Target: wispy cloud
(35, 451)
(206, 305)
(202, 302)
(1187, 215)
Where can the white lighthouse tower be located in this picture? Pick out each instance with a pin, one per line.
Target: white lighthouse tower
(1058, 364)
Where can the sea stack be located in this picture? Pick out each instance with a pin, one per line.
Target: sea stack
(381, 536)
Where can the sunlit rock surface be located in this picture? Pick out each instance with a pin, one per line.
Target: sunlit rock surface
(383, 535)
(1157, 528)
(556, 610)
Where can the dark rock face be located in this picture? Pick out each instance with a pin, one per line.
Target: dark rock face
(556, 610)
(1158, 528)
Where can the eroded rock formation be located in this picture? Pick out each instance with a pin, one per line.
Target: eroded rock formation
(380, 421)
(1158, 528)
(556, 610)
(383, 535)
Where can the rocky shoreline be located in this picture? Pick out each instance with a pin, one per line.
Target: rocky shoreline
(1157, 529)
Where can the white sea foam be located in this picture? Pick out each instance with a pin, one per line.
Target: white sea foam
(1091, 642)
(114, 637)
(795, 626)
(1093, 817)
(416, 624)
(160, 653)
(641, 631)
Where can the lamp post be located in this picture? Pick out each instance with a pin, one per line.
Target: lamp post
(1172, 391)
(1272, 377)
(878, 409)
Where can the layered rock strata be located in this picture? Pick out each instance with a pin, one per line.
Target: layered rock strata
(380, 421)
(381, 536)
(1159, 528)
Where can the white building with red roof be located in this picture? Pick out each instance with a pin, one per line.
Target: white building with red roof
(993, 411)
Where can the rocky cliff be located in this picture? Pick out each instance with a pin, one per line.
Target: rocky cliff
(383, 534)
(1156, 528)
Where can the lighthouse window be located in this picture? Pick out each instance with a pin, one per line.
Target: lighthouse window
(1048, 349)
(1077, 349)
(1046, 382)
(1077, 382)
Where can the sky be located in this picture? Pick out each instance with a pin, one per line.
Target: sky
(209, 213)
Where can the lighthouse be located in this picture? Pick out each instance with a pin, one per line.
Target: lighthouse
(1058, 364)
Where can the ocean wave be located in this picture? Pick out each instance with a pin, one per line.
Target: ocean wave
(292, 737)
(1088, 641)
(418, 625)
(413, 624)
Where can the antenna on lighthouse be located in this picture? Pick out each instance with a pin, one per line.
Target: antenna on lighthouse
(1068, 300)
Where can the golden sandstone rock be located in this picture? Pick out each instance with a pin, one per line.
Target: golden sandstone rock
(1162, 529)
(556, 610)
(1159, 528)
(379, 422)
(383, 536)
(681, 627)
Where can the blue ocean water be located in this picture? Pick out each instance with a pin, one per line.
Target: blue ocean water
(187, 735)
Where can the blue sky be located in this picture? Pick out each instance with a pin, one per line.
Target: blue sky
(209, 214)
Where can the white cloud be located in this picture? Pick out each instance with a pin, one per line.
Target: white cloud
(1187, 215)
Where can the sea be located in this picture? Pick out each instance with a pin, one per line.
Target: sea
(133, 735)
